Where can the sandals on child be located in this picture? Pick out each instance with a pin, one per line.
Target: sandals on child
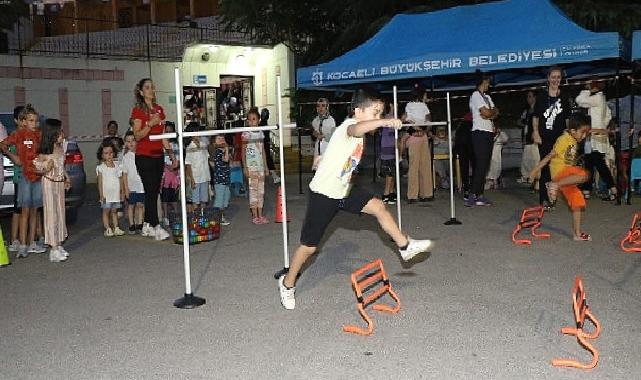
(553, 189)
(583, 237)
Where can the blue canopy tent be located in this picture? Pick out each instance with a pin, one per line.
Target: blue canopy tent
(503, 35)
(510, 37)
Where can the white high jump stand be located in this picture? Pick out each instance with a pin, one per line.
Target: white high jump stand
(189, 300)
(452, 220)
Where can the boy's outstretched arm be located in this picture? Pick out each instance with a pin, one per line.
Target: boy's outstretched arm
(534, 174)
(361, 128)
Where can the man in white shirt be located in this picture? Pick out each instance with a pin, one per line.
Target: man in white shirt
(483, 114)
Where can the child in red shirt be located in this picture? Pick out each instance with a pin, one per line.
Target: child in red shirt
(27, 142)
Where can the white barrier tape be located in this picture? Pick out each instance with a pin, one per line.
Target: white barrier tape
(214, 132)
(91, 138)
(426, 124)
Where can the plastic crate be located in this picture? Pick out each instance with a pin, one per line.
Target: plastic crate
(203, 226)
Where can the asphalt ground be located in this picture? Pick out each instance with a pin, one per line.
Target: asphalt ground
(477, 307)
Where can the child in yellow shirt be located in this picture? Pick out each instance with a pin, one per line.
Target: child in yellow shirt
(565, 174)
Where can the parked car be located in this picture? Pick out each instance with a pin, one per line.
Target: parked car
(74, 197)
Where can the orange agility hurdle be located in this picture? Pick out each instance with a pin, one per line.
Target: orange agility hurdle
(530, 218)
(365, 279)
(632, 242)
(581, 311)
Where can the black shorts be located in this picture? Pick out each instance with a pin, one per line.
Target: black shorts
(321, 210)
(388, 168)
(168, 195)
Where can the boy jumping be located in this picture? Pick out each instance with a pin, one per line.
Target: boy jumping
(331, 190)
(565, 174)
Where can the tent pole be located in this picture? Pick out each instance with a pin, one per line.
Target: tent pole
(375, 156)
(452, 221)
(398, 170)
(300, 150)
(617, 142)
(630, 142)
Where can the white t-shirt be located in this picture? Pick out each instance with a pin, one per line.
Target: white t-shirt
(342, 156)
(254, 150)
(600, 115)
(198, 159)
(327, 128)
(416, 112)
(133, 178)
(110, 182)
(478, 101)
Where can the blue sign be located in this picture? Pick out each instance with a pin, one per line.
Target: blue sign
(200, 79)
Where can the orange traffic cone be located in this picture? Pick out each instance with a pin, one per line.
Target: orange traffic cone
(279, 207)
(4, 256)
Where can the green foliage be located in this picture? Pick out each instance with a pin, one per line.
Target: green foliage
(604, 16)
(11, 11)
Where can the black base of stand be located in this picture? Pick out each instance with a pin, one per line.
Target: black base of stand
(280, 273)
(452, 222)
(189, 301)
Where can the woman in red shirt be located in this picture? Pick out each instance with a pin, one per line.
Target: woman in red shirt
(148, 119)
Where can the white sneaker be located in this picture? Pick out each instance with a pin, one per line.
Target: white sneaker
(286, 295)
(224, 222)
(414, 247)
(147, 230)
(55, 256)
(22, 252)
(35, 248)
(160, 233)
(118, 231)
(165, 222)
(14, 246)
(63, 251)
(109, 232)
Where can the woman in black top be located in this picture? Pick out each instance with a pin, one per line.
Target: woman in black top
(550, 118)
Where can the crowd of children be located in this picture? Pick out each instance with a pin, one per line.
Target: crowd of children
(40, 183)
(40, 180)
(208, 164)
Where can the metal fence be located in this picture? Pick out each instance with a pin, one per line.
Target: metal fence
(162, 42)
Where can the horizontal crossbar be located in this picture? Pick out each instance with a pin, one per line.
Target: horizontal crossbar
(213, 132)
(426, 124)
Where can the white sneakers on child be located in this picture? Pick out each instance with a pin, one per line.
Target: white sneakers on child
(14, 246)
(63, 251)
(147, 230)
(414, 247)
(56, 255)
(116, 231)
(22, 252)
(286, 294)
(160, 233)
(35, 248)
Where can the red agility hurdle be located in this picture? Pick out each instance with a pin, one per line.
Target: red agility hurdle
(581, 311)
(365, 280)
(530, 218)
(632, 241)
